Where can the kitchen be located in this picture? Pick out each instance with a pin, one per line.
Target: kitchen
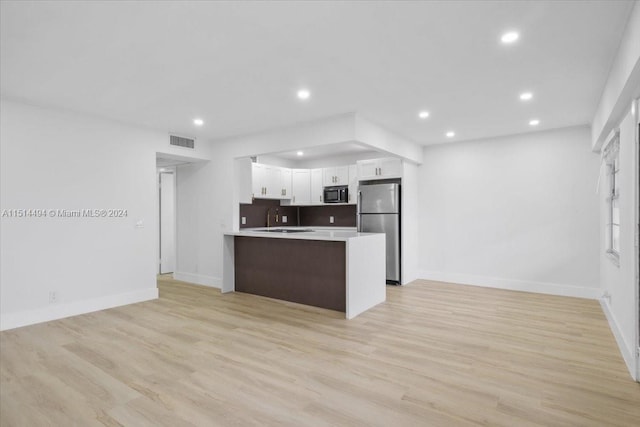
(368, 208)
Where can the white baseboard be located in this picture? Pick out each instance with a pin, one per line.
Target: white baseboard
(198, 279)
(62, 310)
(627, 353)
(513, 284)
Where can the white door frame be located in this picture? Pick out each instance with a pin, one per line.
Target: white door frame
(636, 109)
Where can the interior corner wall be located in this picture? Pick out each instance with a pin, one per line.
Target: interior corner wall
(410, 223)
(517, 212)
(54, 267)
(619, 280)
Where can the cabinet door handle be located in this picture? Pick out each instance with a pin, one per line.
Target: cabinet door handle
(320, 198)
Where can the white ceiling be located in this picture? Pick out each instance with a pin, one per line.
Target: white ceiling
(238, 65)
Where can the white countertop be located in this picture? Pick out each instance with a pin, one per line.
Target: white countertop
(342, 234)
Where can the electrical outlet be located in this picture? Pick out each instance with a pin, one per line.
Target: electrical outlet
(284, 219)
(244, 220)
(53, 297)
(330, 220)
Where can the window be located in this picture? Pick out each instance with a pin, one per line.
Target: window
(612, 159)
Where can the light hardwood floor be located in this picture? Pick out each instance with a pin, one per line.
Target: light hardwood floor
(434, 354)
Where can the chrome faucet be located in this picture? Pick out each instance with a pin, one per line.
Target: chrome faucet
(268, 217)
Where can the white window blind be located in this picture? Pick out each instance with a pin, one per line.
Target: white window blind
(611, 161)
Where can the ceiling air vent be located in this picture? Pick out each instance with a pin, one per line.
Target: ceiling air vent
(180, 141)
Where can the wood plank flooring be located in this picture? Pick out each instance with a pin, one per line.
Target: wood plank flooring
(434, 354)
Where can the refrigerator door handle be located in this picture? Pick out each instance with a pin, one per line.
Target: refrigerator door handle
(358, 204)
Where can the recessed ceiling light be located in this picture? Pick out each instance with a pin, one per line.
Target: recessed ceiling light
(450, 134)
(304, 94)
(534, 122)
(525, 96)
(423, 114)
(198, 122)
(300, 153)
(509, 37)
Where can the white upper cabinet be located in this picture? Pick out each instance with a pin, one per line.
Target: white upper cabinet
(390, 167)
(258, 180)
(336, 176)
(286, 183)
(316, 186)
(270, 182)
(300, 186)
(353, 184)
(367, 169)
(292, 186)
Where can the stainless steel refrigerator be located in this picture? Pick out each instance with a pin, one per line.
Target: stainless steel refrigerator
(379, 212)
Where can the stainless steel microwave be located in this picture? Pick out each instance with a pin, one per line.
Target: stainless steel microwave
(337, 194)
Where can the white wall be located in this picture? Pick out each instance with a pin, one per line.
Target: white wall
(384, 140)
(52, 159)
(201, 194)
(411, 225)
(516, 212)
(620, 280)
(623, 82)
(338, 160)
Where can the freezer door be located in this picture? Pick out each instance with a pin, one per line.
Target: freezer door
(380, 198)
(390, 225)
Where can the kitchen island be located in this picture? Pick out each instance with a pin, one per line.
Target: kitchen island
(341, 270)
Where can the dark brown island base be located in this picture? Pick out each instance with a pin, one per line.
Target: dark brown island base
(311, 272)
(337, 270)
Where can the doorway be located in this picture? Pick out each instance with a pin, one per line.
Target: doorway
(167, 219)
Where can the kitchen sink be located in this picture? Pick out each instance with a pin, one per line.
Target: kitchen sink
(285, 230)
